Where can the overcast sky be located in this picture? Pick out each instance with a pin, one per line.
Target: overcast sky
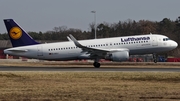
(44, 15)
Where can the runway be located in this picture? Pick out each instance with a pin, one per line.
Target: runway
(88, 69)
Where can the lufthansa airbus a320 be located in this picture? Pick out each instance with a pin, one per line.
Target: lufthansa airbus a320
(115, 49)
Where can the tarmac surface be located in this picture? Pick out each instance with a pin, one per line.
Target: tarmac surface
(48, 66)
(88, 69)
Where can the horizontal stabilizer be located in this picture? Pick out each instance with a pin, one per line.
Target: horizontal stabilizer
(16, 50)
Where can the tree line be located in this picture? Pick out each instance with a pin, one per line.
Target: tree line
(166, 26)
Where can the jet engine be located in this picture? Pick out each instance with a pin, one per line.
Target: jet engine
(118, 56)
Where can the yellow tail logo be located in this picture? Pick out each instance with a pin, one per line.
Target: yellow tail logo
(15, 33)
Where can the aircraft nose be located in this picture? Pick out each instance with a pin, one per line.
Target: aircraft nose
(174, 44)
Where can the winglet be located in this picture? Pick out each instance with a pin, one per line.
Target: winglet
(17, 35)
(76, 42)
(69, 38)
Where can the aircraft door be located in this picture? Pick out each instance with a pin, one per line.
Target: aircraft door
(39, 50)
(154, 41)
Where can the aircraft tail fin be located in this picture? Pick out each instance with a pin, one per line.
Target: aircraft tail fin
(17, 35)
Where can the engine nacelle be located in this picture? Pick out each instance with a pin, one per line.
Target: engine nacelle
(118, 56)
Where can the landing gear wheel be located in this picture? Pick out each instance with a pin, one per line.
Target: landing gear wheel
(155, 61)
(154, 58)
(96, 64)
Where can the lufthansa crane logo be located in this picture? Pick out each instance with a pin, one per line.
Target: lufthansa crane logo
(15, 33)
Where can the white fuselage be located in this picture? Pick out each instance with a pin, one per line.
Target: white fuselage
(140, 44)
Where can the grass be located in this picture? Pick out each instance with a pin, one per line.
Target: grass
(90, 86)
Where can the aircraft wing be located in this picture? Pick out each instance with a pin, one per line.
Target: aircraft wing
(95, 51)
(84, 48)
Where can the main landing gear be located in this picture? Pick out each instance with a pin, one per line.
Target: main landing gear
(96, 64)
(154, 57)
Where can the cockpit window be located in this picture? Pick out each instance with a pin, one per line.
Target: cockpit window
(166, 39)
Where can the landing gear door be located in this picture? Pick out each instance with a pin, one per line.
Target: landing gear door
(39, 50)
(154, 41)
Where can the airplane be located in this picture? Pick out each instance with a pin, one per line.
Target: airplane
(115, 49)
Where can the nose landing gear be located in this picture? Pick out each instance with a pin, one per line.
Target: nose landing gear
(154, 57)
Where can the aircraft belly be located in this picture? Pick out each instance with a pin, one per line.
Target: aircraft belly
(61, 56)
(148, 50)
